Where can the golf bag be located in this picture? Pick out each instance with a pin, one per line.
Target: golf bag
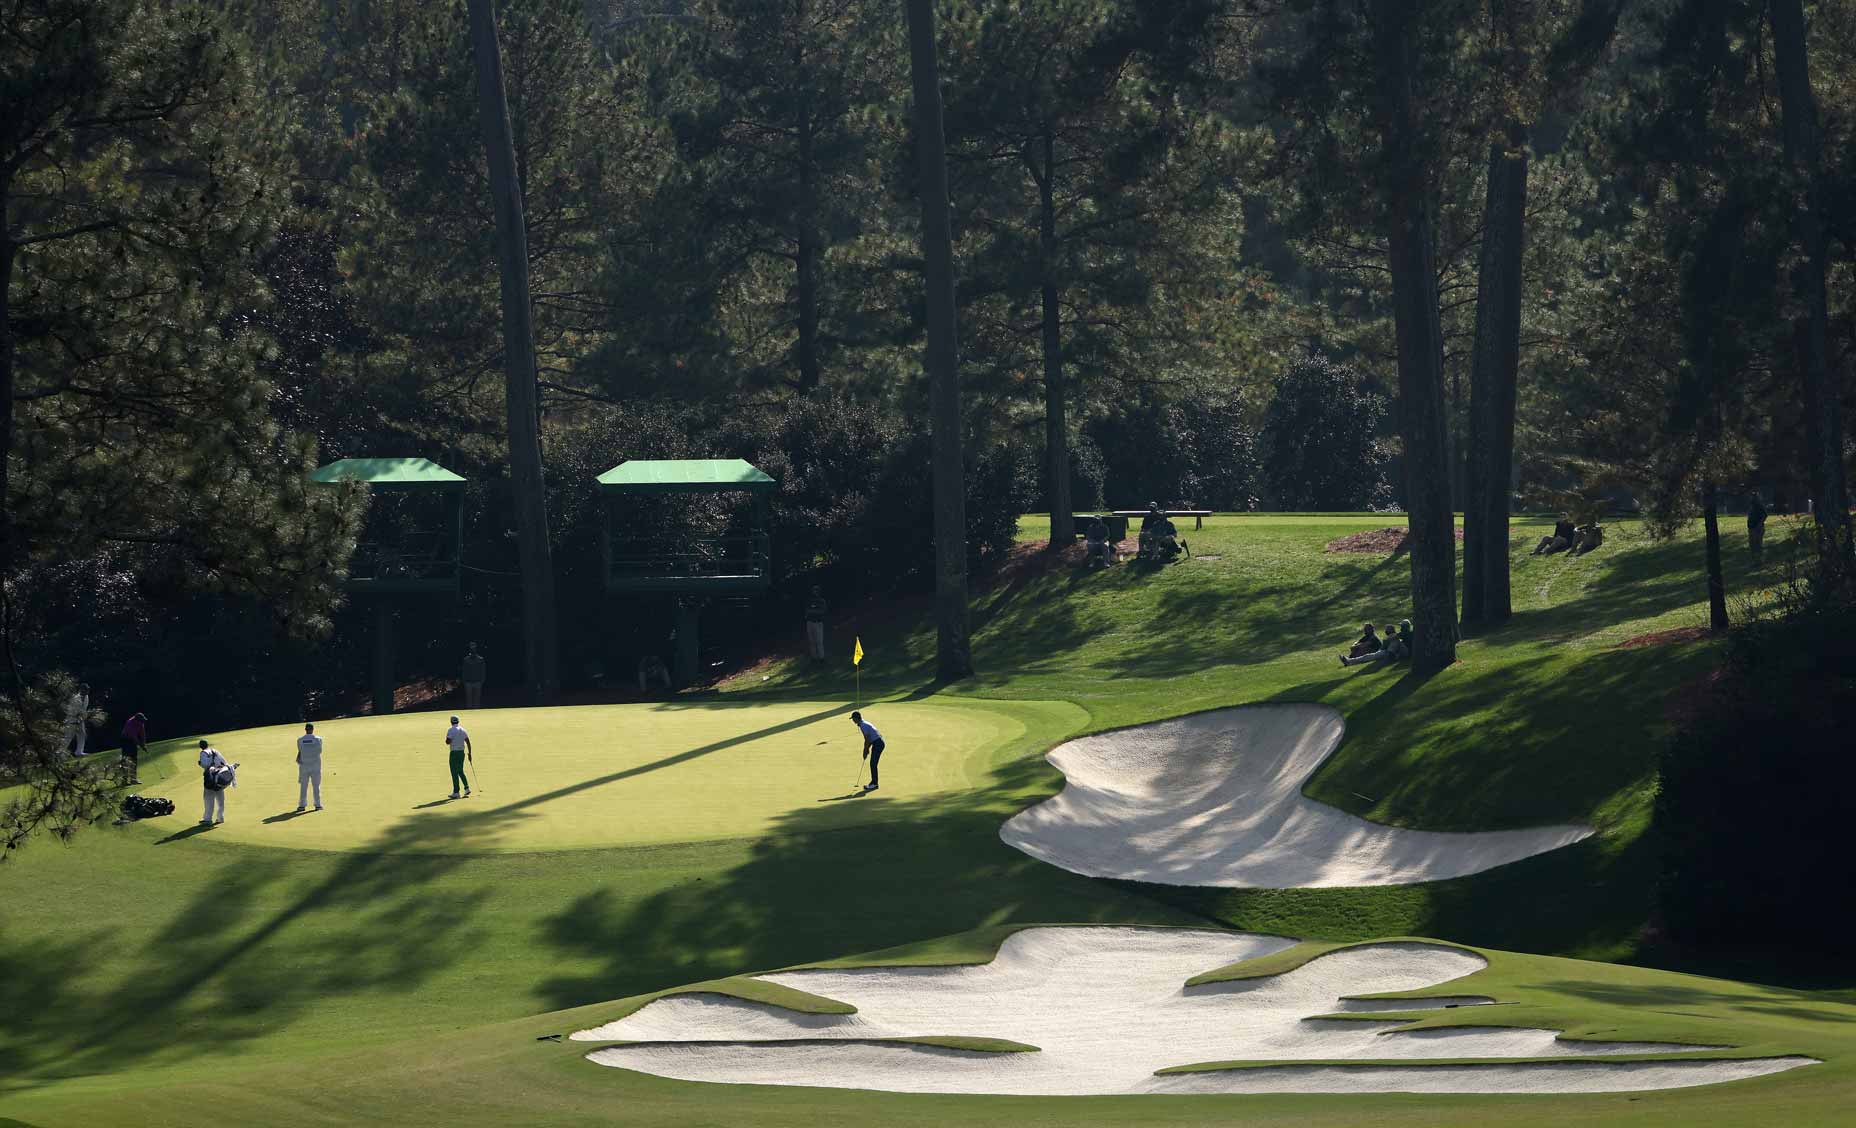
(218, 777)
(146, 807)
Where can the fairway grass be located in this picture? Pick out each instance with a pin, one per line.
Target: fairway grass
(402, 972)
(602, 775)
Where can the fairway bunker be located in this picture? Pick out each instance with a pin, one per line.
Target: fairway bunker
(1108, 1008)
(1216, 799)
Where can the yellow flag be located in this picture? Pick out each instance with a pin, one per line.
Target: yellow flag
(857, 651)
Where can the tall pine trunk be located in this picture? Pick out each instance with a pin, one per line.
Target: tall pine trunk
(8, 253)
(1802, 154)
(1494, 373)
(953, 648)
(1056, 428)
(808, 256)
(1717, 582)
(1420, 344)
(529, 493)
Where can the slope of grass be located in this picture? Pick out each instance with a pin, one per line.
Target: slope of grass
(1543, 720)
(391, 981)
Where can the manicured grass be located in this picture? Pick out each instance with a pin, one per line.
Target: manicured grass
(604, 774)
(1543, 720)
(144, 980)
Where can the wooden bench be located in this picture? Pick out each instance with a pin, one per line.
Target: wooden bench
(1198, 515)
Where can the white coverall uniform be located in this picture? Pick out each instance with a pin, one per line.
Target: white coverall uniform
(215, 800)
(77, 724)
(308, 769)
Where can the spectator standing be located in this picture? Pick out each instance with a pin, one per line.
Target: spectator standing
(815, 625)
(474, 671)
(308, 766)
(77, 721)
(1756, 527)
(652, 668)
(134, 739)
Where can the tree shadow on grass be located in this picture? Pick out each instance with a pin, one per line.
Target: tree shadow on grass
(1802, 1004)
(1547, 739)
(811, 890)
(266, 935)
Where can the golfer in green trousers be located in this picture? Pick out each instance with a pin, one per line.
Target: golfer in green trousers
(458, 741)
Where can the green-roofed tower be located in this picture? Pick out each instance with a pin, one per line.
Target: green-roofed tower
(682, 563)
(412, 543)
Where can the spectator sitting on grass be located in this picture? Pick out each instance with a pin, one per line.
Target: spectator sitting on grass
(1590, 537)
(1560, 541)
(1368, 644)
(1396, 647)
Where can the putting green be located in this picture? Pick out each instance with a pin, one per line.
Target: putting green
(599, 775)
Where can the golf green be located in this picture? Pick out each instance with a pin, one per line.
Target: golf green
(603, 775)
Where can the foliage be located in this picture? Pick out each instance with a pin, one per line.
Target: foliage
(1758, 789)
(143, 180)
(1321, 445)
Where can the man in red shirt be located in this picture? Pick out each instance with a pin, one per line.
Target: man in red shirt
(134, 739)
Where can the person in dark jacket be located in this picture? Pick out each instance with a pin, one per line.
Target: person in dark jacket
(475, 670)
(134, 739)
(1560, 541)
(1756, 527)
(1095, 539)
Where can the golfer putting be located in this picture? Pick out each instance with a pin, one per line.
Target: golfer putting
(873, 746)
(458, 741)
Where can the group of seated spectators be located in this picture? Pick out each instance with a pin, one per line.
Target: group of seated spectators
(1567, 537)
(1372, 648)
(1159, 541)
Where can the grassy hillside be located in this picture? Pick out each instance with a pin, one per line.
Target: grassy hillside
(1544, 720)
(143, 973)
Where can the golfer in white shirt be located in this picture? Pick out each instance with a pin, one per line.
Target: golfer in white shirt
(458, 741)
(210, 763)
(308, 766)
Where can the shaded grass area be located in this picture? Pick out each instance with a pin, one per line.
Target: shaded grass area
(439, 1077)
(404, 966)
(119, 953)
(1541, 721)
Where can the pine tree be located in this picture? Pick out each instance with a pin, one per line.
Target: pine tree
(140, 189)
(953, 645)
(1098, 204)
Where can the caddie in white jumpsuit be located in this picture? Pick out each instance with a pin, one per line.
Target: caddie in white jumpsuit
(215, 798)
(308, 766)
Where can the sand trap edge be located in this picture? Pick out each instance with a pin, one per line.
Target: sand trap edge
(897, 956)
(1308, 951)
(1521, 1076)
(1040, 850)
(739, 988)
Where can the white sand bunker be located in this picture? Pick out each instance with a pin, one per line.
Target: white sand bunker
(1216, 799)
(1107, 1008)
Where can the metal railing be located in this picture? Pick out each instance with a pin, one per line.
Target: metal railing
(415, 556)
(671, 557)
